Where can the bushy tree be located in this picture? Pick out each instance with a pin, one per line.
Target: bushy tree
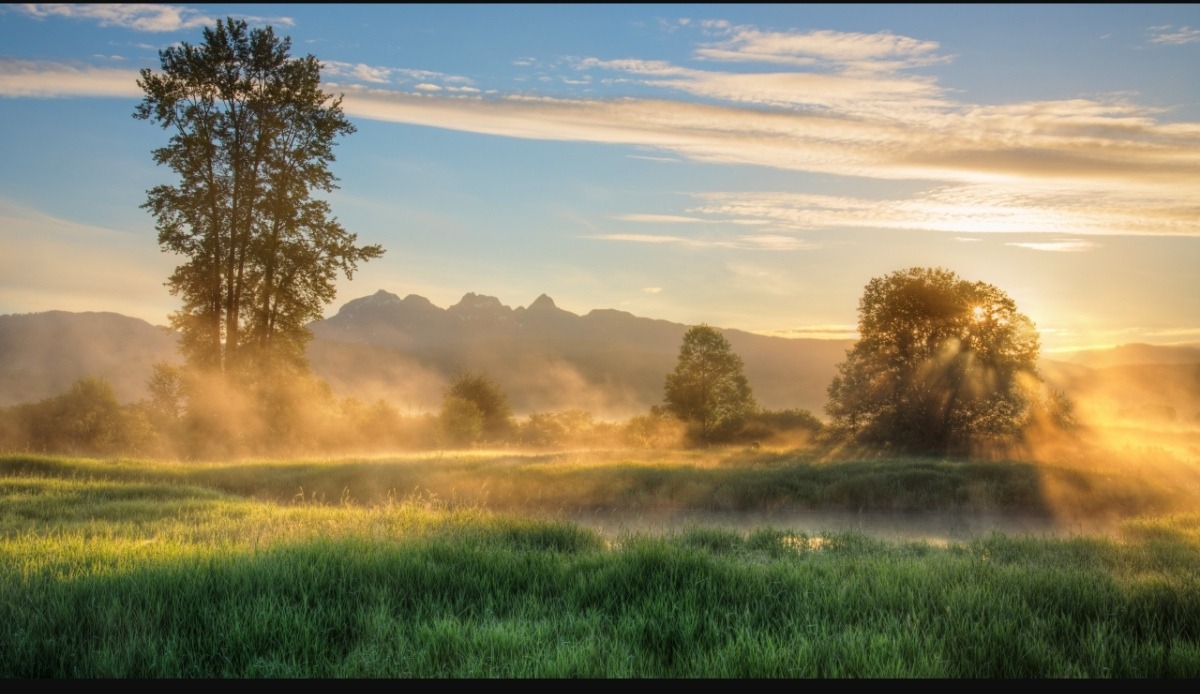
(573, 427)
(942, 365)
(655, 429)
(461, 421)
(87, 418)
(780, 427)
(475, 408)
(252, 137)
(708, 389)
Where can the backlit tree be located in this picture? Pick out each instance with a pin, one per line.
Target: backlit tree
(252, 137)
(708, 389)
(942, 365)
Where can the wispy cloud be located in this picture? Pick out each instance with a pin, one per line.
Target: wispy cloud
(1069, 246)
(662, 218)
(665, 160)
(1071, 167)
(338, 73)
(652, 290)
(53, 263)
(1174, 36)
(966, 208)
(862, 92)
(333, 69)
(1188, 332)
(761, 242)
(1067, 167)
(139, 17)
(882, 51)
(836, 331)
(648, 238)
(30, 78)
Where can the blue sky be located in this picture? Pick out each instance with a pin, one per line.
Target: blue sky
(746, 166)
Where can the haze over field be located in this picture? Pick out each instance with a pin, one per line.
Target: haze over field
(750, 167)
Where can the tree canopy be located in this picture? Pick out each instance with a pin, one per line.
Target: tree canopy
(708, 389)
(252, 137)
(473, 408)
(942, 365)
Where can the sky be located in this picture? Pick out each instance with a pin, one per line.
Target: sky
(744, 166)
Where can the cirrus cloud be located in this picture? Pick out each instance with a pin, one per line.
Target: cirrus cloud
(1177, 37)
(41, 79)
(881, 51)
(1076, 167)
(137, 16)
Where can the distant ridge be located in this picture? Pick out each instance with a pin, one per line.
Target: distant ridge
(1137, 353)
(42, 354)
(608, 362)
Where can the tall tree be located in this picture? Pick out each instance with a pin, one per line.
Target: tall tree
(708, 389)
(942, 365)
(252, 137)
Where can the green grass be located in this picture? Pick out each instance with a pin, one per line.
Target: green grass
(140, 569)
(716, 480)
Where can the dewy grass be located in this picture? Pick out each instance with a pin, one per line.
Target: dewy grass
(151, 574)
(716, 480)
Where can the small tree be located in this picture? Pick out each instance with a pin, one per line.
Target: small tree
(476, 393)
(708, 390)
(942, 366)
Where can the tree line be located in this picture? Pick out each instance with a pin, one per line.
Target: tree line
(942, 365)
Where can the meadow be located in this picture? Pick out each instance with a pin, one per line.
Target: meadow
(475, 564)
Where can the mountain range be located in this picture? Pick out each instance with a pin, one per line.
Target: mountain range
(608, 362)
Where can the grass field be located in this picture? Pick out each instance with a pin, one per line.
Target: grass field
(469, 565)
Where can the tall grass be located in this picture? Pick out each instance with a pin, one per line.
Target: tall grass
(710, 480)
(115, 569)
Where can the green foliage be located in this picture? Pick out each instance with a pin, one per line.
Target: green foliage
(372, 427)
(252, 139)
(655, 429)
(708, 389)
(942, 366)
(780, 427)
(475, 409)
(168, 398)
(461, 421)
(191, 417)
(87, 418)
(567, 428)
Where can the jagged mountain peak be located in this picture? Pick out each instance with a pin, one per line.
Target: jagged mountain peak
(542, 303)
(380, 300)
(381, 297)
(477, 302)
